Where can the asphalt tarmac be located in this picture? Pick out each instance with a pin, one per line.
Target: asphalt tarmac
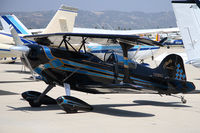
(113, 113)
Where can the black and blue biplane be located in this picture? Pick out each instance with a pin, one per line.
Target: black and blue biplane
(80, 70)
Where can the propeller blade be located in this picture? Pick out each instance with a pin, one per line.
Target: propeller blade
(19, 48)
(163, 40)
(16, 38)
(29, 66)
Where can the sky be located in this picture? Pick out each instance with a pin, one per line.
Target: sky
(90, 5)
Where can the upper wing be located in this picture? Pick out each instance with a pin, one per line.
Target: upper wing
(128, 39)
(125, 32)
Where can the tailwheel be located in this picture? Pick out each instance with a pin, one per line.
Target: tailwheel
(183, 100)
(71, 104)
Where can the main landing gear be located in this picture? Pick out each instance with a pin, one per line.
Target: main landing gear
(71, 104)
(68, 103)
(36, 99)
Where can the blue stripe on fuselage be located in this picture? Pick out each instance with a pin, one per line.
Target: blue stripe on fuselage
(48, 52)
(4, 50)
(87, 67)
(50, 56)
(86, 72)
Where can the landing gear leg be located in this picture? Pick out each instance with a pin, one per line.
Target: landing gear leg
(68, 93)
(67, 89)
(49, 87)
(35, 99)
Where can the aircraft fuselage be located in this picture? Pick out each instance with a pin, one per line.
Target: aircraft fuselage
(82, 70)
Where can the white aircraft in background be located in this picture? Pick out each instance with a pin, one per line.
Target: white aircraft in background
(63, 21)
(187, 14)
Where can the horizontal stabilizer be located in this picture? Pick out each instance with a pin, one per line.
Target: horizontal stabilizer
(194, 92)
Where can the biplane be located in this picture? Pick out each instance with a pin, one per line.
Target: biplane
(77, 69)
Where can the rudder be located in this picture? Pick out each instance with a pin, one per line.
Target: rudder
(172, 67)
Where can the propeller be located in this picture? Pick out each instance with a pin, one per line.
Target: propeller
(20, 49)
(163, 40)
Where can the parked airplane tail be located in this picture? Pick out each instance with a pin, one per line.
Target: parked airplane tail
(172, 67)
(8, 20)
(63, 21)
(187, 14)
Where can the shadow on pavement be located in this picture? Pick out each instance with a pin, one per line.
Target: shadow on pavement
(18, 71)
(109, 109)
(161, 104)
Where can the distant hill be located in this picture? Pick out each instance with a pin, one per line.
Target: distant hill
(104, 19)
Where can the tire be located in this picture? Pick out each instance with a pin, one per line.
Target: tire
(30, 95)
(71, 111)
(33, 104)
(72, 104)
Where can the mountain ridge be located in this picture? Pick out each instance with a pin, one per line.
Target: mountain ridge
(103, 19)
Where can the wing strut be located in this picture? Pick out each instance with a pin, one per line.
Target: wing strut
(125, 48)
(83, 44)
(66, 42)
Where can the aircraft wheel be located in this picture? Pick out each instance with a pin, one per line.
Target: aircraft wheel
(30, 96)
(71, 104)
(68, 110)
(183, 100)
(34, 104)
(11, 62)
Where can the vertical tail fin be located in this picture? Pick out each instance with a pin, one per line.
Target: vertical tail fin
(8, 20)
(172, 67)
(63, 21)
(187, 14)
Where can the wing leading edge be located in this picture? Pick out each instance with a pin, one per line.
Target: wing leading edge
(128, 39)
